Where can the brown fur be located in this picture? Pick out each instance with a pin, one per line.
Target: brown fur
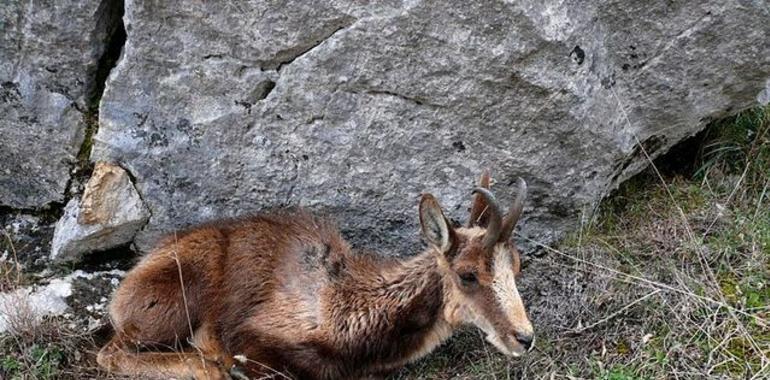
(288, 294)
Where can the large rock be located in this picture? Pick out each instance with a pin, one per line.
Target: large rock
(108, 215)
(49, 53)
(354, 109)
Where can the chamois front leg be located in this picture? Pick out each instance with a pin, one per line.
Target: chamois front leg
(206, 362)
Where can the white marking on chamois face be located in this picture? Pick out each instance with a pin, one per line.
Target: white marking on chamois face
(506, 293)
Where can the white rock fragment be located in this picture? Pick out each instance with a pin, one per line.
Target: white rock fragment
(93, 324)
(97, 307)
(108, 215)
(28, 306)
(91, 275)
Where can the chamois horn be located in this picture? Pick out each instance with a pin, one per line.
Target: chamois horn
(478, 207)
(493, 228)
(512, 217)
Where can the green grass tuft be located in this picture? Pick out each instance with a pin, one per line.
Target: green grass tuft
(35, 362)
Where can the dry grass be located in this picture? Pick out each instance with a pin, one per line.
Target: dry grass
(43, 349)
(50, 349)
(10, 268)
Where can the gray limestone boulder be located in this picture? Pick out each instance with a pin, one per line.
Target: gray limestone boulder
(355, 108)
(49, 53)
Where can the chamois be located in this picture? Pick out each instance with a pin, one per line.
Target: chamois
(283, 293)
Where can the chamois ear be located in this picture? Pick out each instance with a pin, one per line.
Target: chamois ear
(435, 226)
(479, 215)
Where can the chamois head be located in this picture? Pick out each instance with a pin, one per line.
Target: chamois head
(480, 263)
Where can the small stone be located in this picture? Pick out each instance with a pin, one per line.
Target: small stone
(764, 96)
(93, 324)
(109, 215)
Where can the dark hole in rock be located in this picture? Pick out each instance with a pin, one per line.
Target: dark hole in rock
(578, 55)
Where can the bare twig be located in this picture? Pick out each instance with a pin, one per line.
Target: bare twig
(16, 264)
(181, 284)
(761, 198)
(729, 198)
(621, 311)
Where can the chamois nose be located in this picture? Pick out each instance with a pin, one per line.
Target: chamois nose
(525, 339)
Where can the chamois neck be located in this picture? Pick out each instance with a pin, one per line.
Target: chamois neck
(416, 271)
(412, 298)
(411, 278)
(392, 311)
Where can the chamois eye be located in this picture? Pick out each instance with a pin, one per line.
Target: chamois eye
(469, 278)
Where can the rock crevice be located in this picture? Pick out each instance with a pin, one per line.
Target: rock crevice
(50, 66)
(299, 51)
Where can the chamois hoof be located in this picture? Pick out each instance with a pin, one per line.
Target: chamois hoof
(209, 370)
(108, 359)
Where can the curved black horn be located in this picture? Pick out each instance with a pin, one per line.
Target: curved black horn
(493, 228)
(512, 217)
